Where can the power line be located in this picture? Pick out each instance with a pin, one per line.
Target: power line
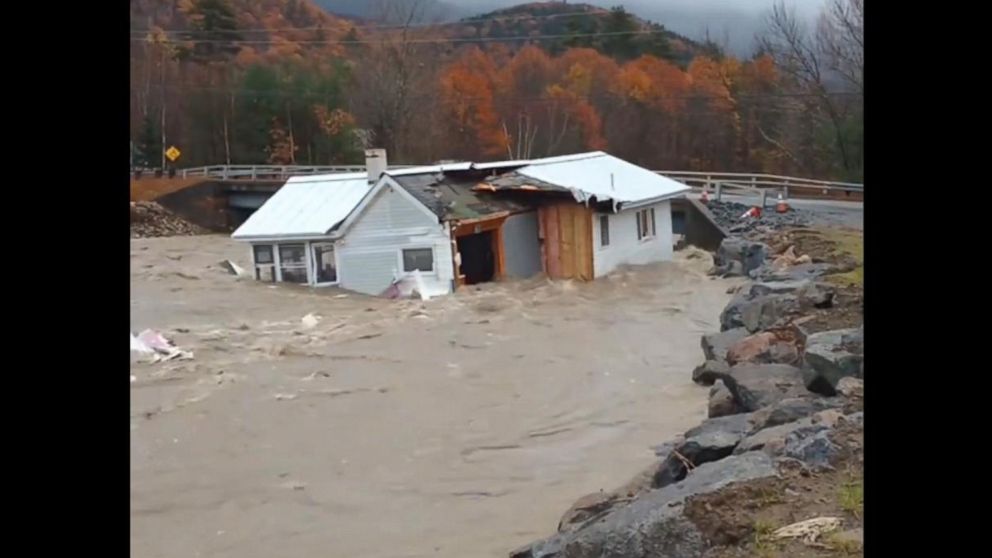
(422, 41)
(688, 97)
(463, 22)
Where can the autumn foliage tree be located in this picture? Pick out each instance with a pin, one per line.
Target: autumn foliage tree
(280, 81)
(467, 89)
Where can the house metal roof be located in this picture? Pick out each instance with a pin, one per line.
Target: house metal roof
(313, 206)
(589, 175)
(306, 206)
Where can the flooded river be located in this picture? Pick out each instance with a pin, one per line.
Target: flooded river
(460, 426)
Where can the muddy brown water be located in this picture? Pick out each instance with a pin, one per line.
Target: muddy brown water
(460, 426)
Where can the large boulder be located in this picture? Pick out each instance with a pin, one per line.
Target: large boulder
(777, 346)
(759, 385)
(758, 313)
(763, 306)
(746, 254)
(811, 446)
(807, 439)
(812, 293)
(796, 272)
(585, 508)
(721, 401)
(794, 408)
(597, 503)
(830, 356)
(654, 525)
(772, 440)
(852, 388)
(709, 371)
(712, 440)
(716, 345)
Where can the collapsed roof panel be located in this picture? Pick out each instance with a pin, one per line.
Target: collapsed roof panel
(451, 196)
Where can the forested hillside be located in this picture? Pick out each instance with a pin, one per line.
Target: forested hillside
(283, 81)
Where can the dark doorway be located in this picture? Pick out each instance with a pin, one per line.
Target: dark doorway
(478, 259)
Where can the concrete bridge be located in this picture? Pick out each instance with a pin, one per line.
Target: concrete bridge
(221, 197)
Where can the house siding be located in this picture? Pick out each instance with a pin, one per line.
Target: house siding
(370, 254)
(624, 247)
(521, 245)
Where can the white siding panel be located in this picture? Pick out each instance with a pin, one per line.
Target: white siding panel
(368, 272)
(521, 246)
(371, 251)
(624, 247)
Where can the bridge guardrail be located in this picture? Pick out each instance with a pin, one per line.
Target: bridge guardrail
(255, 172)
(755, 182)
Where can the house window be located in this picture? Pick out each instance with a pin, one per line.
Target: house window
(265, 269)
(604, 230)
(678, 222)
(323, 259)
(645, 224)
(293, 263)
(418, 258)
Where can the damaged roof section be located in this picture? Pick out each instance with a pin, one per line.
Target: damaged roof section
(452, 197)
(516, 182)
(594, 176)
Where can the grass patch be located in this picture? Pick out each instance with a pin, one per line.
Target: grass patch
(851, 497)
(764, 544)
(848, 243)
(767, 496)
(842, 545)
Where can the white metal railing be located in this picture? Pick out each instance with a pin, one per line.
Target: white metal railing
(263, 172)
(711, 180)
(715, 180)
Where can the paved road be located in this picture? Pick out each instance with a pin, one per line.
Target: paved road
(832, 212)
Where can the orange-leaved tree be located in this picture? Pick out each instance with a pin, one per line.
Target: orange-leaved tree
(467, 93)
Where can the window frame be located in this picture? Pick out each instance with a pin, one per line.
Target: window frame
(402, 257)
(604, 230)
(312, 253)
(644, 234)
(270, 266)
(280, 265)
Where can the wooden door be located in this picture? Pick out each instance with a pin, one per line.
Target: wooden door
(567, 232)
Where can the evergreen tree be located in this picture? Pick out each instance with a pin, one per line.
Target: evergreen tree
(619, 42)
(148, 150)
(213, 26)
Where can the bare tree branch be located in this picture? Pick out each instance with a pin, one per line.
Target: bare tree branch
(778, 145)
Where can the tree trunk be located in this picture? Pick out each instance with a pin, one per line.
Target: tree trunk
(292, 144)
(227, 142)
(162, 123)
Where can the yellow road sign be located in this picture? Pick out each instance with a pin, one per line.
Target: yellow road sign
(172, 153)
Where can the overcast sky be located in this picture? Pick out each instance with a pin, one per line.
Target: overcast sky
(738, 20)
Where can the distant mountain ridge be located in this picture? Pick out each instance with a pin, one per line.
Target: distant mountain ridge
(622, 34)
(372, 10)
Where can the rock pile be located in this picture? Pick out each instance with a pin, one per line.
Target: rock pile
(149, 219)
(728, 216)
(782, 399)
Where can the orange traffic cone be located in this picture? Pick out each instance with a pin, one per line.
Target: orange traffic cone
(753, 212)
(781, 206)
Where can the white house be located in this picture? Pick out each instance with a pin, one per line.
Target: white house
(291, 235)
(445, 226)
(625, 216)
